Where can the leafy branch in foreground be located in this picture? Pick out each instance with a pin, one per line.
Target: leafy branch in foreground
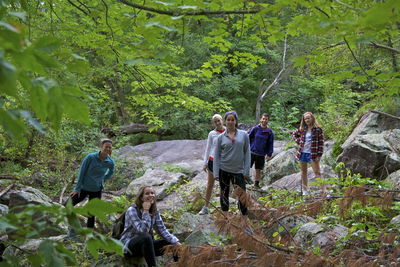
(35, 221)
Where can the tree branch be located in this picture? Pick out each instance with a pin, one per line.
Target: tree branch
(394, 50)
(189, 13)
(385, 114)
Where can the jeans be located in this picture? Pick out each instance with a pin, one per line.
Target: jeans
(225, 178)
(143, 245)
(81, 196)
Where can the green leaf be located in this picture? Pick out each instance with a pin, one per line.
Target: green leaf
(76, 109)
(8, 26)
(163, 3)
(20, 15)
(7, 77)
(11, 124)
(32, 121)
(47, 44)
(100, 209)
(50, 254)
(159, 25)
(187, 7)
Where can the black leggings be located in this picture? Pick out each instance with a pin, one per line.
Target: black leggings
(81, 196)
(143, 245)
(225, 178)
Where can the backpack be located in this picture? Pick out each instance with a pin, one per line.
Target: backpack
(119, 224)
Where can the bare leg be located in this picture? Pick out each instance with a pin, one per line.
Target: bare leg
(304, 179)
(210, 185)
(317, 173)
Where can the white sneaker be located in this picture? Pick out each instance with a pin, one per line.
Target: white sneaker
(204, 210)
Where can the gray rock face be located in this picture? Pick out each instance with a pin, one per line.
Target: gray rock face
(307, 231)
(371, 155)
(394, 179)
(189, 223)
(315, 235)
(161, 180)
(28, 195)
(288, 223)
(281, 165)
(293, 181)
(3, 209)
(30, 246)
(372, 123)
(395, 221)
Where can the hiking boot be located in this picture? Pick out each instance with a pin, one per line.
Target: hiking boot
(257, 185)
(204, 211)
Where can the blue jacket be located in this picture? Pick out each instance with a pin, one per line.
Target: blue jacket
(261, 141)
(93, 172)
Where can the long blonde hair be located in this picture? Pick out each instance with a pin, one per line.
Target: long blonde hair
(303, 124)
(139, 200)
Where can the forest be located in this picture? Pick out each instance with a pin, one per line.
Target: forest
(75, 71)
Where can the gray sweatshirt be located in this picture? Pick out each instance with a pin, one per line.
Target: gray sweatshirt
(232, 155)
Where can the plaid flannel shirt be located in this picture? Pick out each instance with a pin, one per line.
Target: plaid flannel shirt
(135, 225)
(317, 142)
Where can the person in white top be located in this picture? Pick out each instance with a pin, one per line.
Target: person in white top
(208, 158)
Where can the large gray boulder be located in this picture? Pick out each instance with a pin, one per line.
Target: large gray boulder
(281, 165)
(315, 235)
(394, 179)
(3, 209)
(372, 123)
(371, 155)
(28, 195)
(161, 180)
(30, 246)
(293, 181)
(288, 223)
(395, 221)
(188, 223)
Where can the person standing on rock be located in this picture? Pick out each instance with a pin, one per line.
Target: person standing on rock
(310, 139)
(209, 157)
(232, 160)
(261, 146)
(96, 168)
(140, 219)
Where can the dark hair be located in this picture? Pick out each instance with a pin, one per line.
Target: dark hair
(265, 115)
(103, 141)
(139, 200)
(232, 112)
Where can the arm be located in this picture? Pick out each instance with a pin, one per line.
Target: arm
(110, 170)
(162, 230)
(270, 144)
(140, 225)
(320, 142)
(251, 134)
(208, 149)
(217, 157)
(82, 172)
(296, 136)
(247, 156)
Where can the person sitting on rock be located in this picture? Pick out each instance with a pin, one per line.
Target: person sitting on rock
(140, 219)
(209, 157)
(310, 139)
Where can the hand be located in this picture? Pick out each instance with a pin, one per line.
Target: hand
(216, 178)
(72, 194)
(205, 168)
(146, 206)
(267, 158)
(178, 243)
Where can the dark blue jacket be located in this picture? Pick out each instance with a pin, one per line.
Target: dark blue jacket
(261, 141)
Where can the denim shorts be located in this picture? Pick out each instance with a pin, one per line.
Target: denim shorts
(305, 157)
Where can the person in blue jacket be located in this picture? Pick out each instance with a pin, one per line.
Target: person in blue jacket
(261, 146)
(96, 168)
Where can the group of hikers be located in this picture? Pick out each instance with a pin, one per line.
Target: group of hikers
(229, 155)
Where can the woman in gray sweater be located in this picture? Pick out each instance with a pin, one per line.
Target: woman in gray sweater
(232, 160)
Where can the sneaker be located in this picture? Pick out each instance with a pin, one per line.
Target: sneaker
(204, 211)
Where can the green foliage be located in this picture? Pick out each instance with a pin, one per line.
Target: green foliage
(30, 223)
